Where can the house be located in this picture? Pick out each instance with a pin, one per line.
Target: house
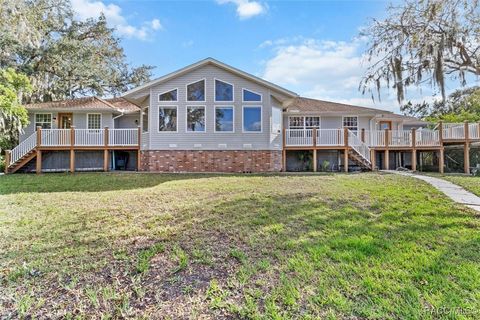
(212, 117)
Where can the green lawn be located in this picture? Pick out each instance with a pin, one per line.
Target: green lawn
(235, 246)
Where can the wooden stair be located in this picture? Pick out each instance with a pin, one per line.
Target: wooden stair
(14, 167)
(358, 159)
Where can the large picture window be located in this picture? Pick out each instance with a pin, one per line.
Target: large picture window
(167, 118)
(351, 123)
(224, 119)
(196, 91)
(43, 120)
(252, 119)
(195, 119)
(250, 96)
(94, 121)
(168, 96)
(223, 91)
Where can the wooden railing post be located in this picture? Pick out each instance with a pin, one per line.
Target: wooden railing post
(440, 131)
(72, 136)
(467, 129)
(284, 150)
(466, 150)
(106, 136)
(345, 136)
(345, 152)
(387, 137)
(414, 150)
(39, 136)
(105, 151)
(314, 136)
(72, 150)
(7, 160)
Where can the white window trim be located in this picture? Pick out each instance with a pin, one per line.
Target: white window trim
(148, 118)
(215, 91)
(100, 121)
(51, 119)
(204, 91)
(169, 101)
(261, 118)
(215, 119)
(261, 96)
(358, 122)
(304, 126)
(158, 119)
(204, 115)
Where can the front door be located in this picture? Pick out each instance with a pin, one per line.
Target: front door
(65, 120)
(385, 125)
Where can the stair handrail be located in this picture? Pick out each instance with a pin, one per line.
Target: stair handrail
(23, 148)
(360, 147)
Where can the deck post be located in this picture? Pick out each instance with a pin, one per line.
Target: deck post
(7, 160)
(139, 153)
(105, 151)
(38, 166)
(39, 136)
(372, 158)
(466, 149)
(345, 153)
(414, 149)
(441, 161)
(362, 136)
(314, 139)
(440, 132)
(386, 162)
(284, 151)
(72, 150)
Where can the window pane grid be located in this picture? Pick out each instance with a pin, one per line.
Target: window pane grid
(93, 121)
(351, 123)
(296, 122)
(43, 120)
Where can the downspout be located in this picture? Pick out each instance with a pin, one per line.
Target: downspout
(113, 151)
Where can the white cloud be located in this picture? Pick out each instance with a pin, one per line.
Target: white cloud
(246, 8)
(85, 9)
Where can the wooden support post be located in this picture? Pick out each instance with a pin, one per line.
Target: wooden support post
(414, 160)
(345, 159)
(466, 157)
(72, 160)
(386, 162)
(38, 167)
(284, 151)
(7, 160)
(362, 135)
(372, 159)
(466, 150)
(105, 160)
(440, 132)
(315, 165)
(139, 137)
(414, 150)
(139, 160)
(345, 136)
(39, 136)
(72, 136)
(106, 137)
(441, 161)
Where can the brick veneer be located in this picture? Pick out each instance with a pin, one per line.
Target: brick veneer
(211, 160)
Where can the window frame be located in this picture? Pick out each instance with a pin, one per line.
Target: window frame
(142, 113)
(358, 123)
(51, 119)
(304, 125)
(215, 118)
(204, 91)
(204, 117)
(167, 101)
(243, 118)
(244, 101)
(215, 91)
(96, 113)
(158, 119)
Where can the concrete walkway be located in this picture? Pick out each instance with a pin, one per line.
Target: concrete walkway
(454, 192)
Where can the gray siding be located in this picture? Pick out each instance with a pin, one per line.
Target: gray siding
(210, 140)
(127, 121)
(331, 121)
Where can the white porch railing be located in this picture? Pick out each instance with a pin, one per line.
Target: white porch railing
(330, 137)
(23, 148)
(474, 130)
(453, 131)
(89, 137)
(123, 137)
(56, 137)
(361, 148)
(400, 138)
(299, 137)
(427, 138)
(375, 138)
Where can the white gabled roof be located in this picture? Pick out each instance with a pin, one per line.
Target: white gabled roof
(215, 63)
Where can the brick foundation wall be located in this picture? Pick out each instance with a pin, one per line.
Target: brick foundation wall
(211, 161)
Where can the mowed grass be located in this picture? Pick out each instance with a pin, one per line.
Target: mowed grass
(235, 246)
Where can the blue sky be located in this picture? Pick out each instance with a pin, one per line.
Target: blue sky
(310, 47)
